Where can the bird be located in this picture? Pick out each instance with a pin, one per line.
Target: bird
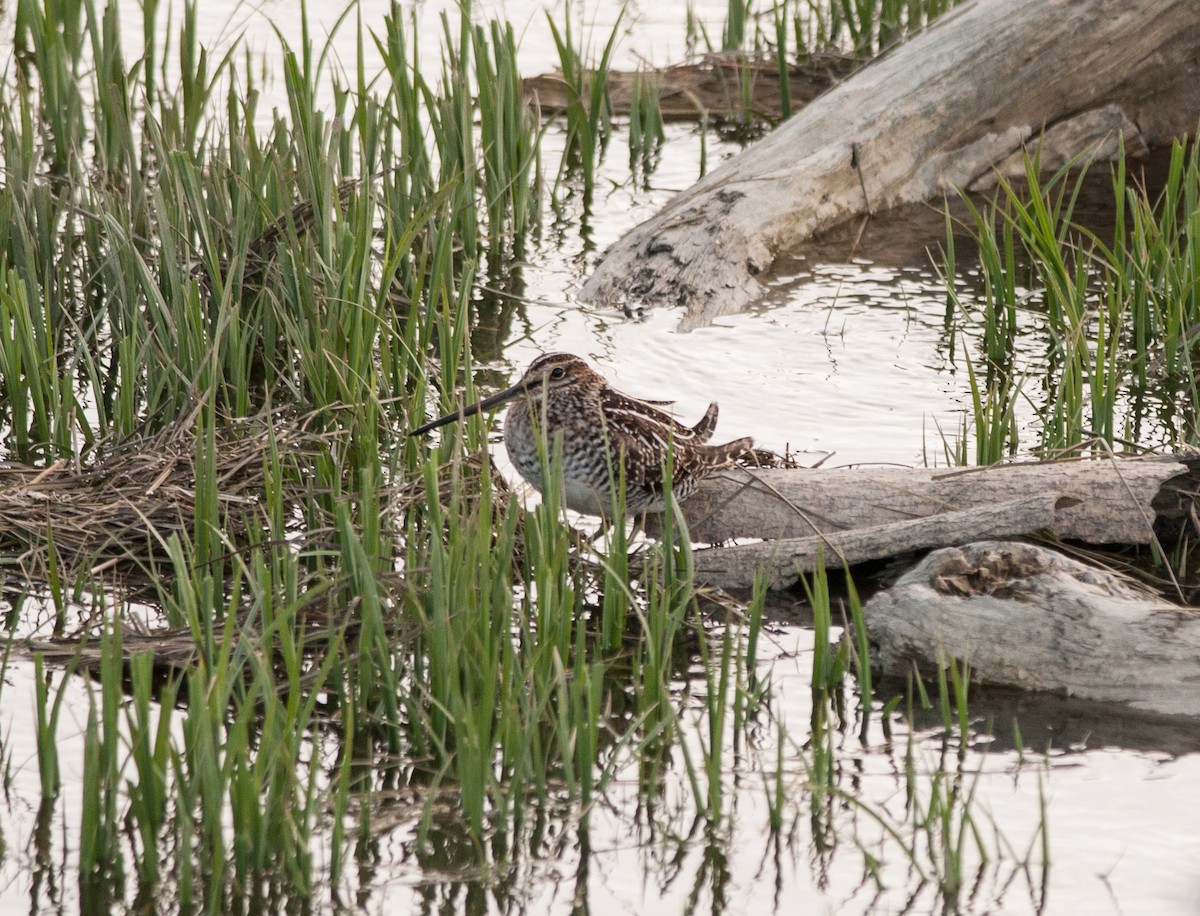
(603, 432)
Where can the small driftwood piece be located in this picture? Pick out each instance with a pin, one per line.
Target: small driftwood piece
(986, 81)
(714, 86)
(870, 513)
(1024, 616)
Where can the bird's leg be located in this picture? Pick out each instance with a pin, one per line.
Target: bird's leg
(608, 537)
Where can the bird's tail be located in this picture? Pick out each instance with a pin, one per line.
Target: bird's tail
(722, 456)
(703, 430)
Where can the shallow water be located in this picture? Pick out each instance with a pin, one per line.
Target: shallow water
(846, 361)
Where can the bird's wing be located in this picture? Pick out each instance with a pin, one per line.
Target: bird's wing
(645, 451)
(644, 435)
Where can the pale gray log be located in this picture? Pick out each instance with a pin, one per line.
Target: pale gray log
(1100, 501)
(782, 561)
(937, 113)
(1028, 617)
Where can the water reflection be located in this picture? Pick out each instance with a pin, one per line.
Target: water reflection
(835, 832)
(847, 815)
(1041, 723)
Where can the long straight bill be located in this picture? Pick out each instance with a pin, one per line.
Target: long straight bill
(486, 404)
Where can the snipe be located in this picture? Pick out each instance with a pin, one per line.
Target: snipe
(602, 431)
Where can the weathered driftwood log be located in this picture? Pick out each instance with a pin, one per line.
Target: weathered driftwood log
(940, 112)
(865, 513)
(1028, 617)
(785, 559)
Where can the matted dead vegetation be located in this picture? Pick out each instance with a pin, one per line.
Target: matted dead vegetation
(121, 508)
(325, 619)
(112, 518)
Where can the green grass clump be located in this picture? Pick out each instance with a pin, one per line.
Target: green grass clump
(861, 29)
(1112, 311)
(588, 113)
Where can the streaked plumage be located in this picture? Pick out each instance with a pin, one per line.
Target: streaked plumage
(561, 394)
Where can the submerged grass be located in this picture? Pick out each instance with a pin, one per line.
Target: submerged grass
(932, 852)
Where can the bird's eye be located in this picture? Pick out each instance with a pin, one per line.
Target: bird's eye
(557, 372)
